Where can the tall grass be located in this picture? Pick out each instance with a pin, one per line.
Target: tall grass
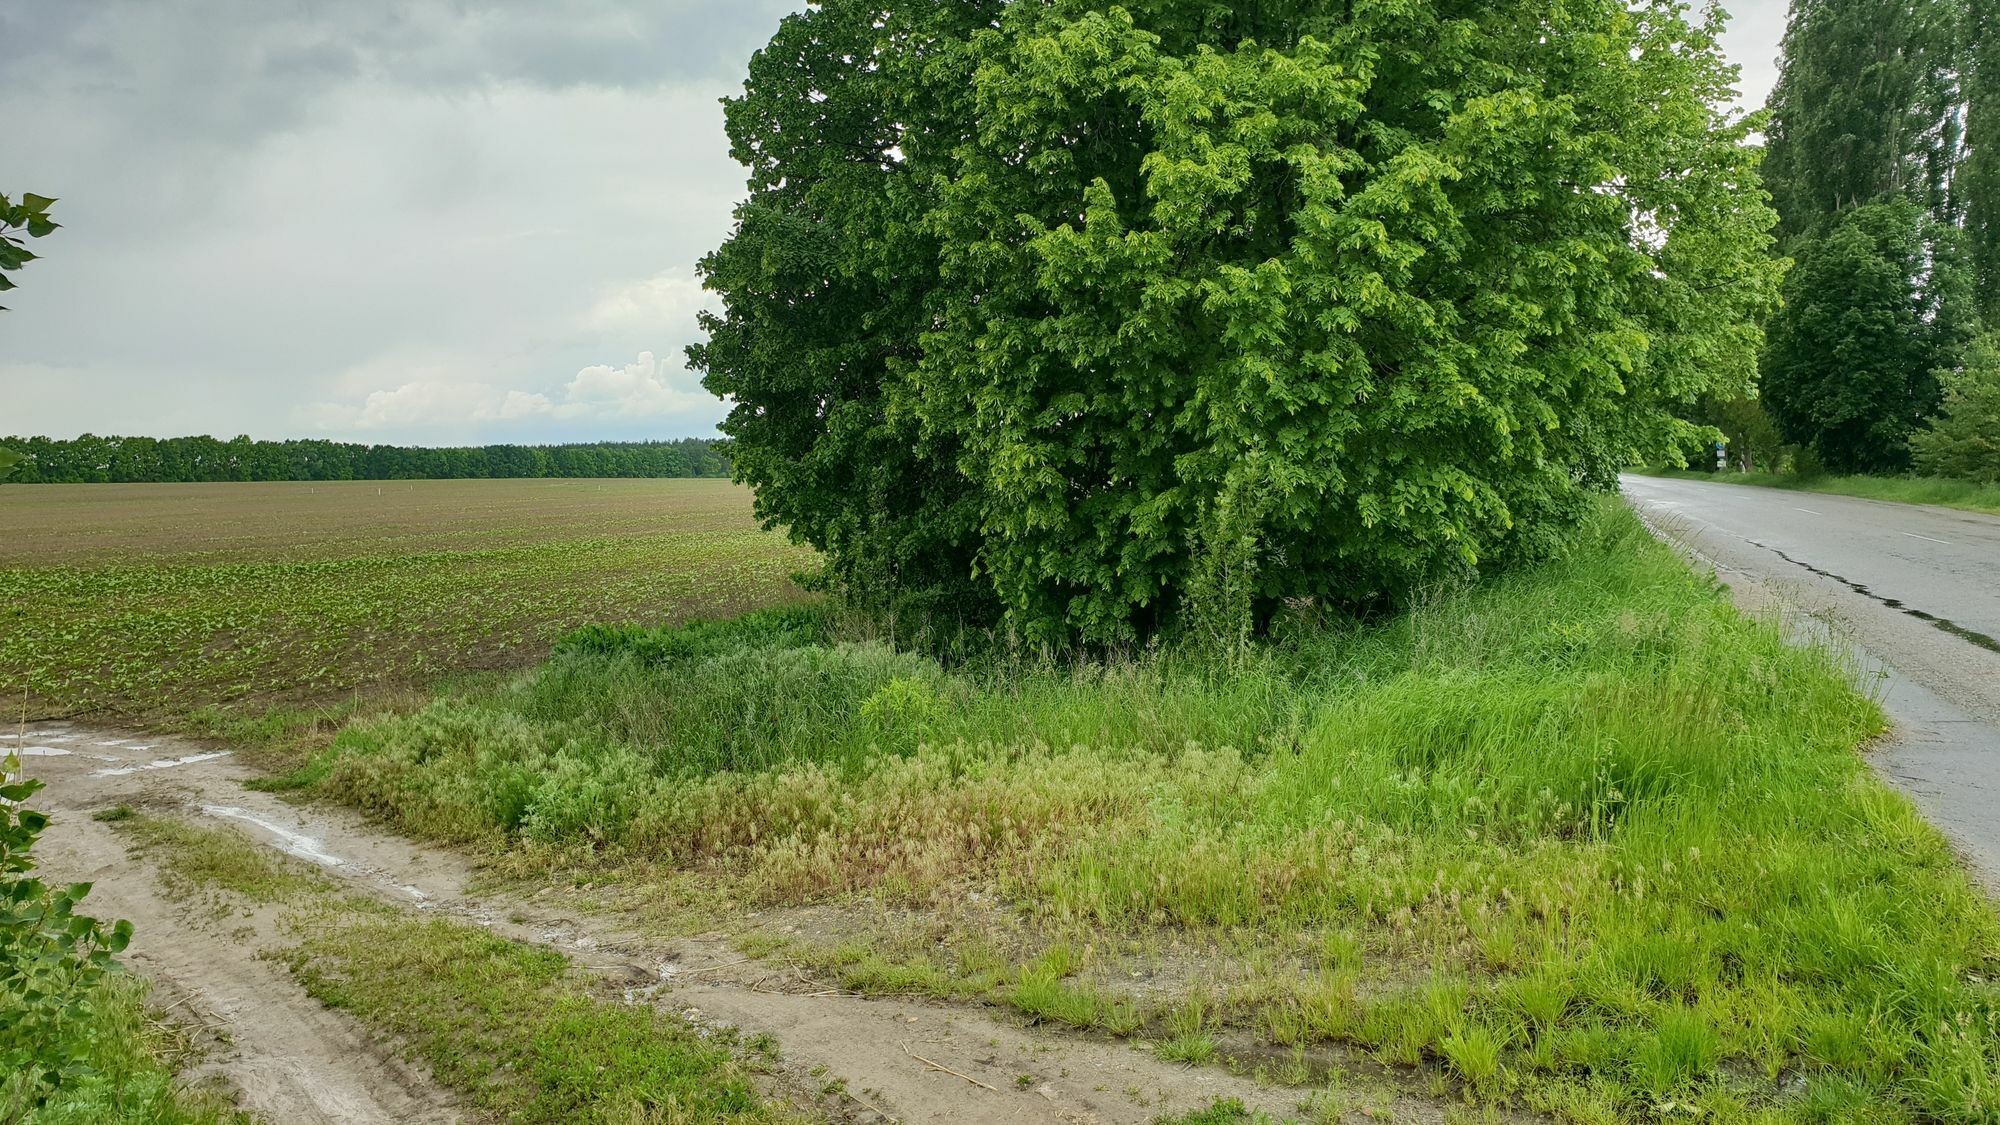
(1581, 835)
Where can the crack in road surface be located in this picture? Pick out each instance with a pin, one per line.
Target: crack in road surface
(1936, 622)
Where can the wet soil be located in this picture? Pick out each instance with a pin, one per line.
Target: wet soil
(291, 1060)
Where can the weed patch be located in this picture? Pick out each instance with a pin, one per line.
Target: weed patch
(518, 1031)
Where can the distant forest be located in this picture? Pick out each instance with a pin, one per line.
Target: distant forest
(137, 460)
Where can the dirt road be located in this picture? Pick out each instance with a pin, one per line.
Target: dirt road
(294, 1061)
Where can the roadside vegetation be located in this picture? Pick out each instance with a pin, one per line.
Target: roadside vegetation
(1580, 839)
(515, 1029)
(1970, 496)
(209, 606)
(125, 1061)
(76, 1043)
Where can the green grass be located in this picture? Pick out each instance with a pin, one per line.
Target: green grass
(513, 1027)
(1968, 495)
(518, 1031)
(1581, 838)
(193, 856)
(131, 1059)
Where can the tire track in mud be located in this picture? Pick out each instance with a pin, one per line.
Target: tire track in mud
(900, 1060)
(287, 1058)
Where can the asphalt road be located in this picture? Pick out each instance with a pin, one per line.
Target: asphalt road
(1914, 591)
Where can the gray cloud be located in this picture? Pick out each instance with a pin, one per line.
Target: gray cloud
(391, 220)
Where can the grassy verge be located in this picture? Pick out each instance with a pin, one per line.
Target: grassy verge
(1965, 494)
(513, 1027)
(130, 1060)
(1581, 839)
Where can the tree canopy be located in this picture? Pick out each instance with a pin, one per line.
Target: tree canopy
(1084, 315)
(1875, 306)
(1964, 439)
(1882, 164)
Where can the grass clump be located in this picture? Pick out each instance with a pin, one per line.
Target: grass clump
(123, 1068)
(515, 1029)
(1582, 834)
(191, 855)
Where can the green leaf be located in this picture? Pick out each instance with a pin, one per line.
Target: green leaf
(38, 204)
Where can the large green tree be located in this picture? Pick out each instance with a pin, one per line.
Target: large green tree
(1884, 208)
(1869, 103)
(1978, 177)
(1875, 305)
(1075, 312)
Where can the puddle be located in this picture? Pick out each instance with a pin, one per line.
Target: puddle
(1940, 623)
(162, 764)
(42, 752)
(292, 843)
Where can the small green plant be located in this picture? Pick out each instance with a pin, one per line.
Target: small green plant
(1682, 1049)
(1223, 1111)
(1191, 1042)
(1473, 1052)
(114, 814)
(52, 960)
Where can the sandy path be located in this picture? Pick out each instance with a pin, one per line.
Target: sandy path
(296, 1061)
(290, 1059)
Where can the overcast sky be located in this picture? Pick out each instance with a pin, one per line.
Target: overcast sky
(428, 221)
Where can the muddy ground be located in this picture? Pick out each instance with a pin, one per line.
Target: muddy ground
(290, 1060)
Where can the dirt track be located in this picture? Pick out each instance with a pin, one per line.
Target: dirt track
(295, 1061)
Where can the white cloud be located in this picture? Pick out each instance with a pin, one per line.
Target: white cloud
(521, 404)
(646, 391)
(641, 389)
(664, 302)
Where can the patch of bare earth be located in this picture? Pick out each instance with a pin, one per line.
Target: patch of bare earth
(854, 1057)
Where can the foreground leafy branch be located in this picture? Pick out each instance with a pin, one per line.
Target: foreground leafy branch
(29, 217)
(51, 959)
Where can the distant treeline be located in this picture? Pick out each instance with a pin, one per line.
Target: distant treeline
(138, 460)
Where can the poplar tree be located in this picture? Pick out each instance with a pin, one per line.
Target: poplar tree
(1868, 104)
(1979, 174)
(1867, 147)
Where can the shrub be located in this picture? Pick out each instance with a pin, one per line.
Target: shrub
(1963, 441)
